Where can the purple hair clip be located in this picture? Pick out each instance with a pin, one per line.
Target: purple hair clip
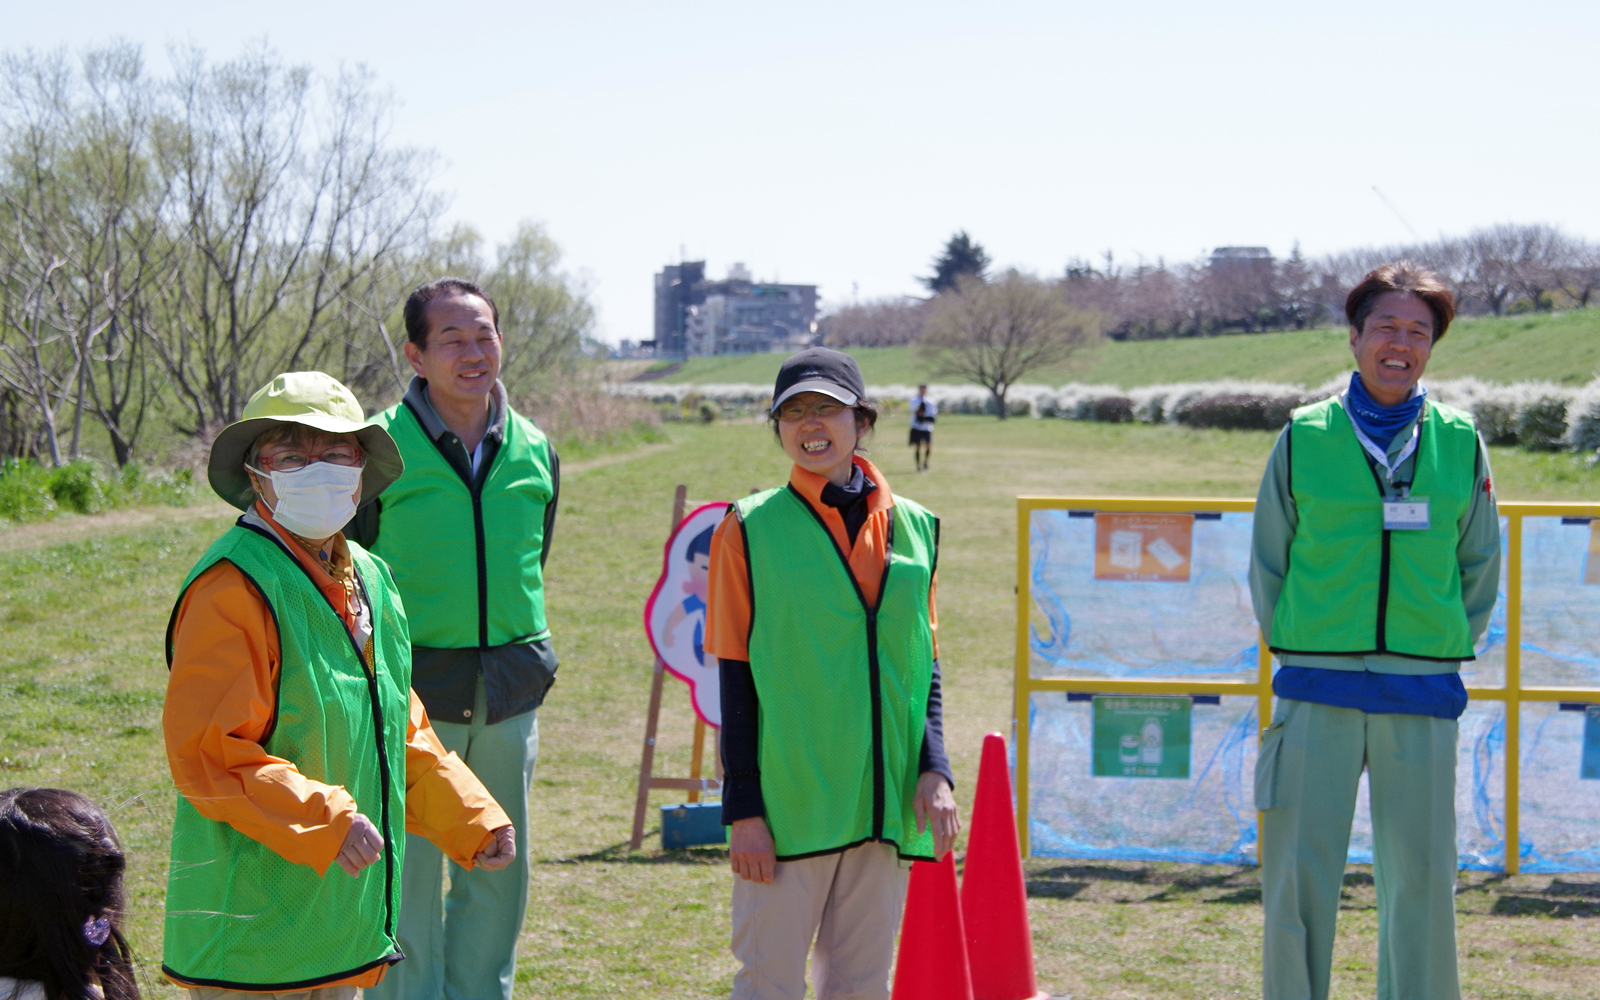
(96, 930)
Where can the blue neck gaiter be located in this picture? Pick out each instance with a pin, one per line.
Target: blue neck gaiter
(1381, 423)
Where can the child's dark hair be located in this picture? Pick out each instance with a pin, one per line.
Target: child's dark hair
(700, 545)
(60, 892)
(866, 420)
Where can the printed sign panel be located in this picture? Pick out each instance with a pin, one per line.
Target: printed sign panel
(1149, 548)
(1146, 737)
(1591, 743)
(1591, 565)
(675, 615)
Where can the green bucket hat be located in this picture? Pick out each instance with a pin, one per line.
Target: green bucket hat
(315, 400)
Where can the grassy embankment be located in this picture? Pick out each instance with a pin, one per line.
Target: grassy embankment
(83, 605)
(1562, 348)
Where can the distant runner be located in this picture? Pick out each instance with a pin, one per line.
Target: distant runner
(923, 413)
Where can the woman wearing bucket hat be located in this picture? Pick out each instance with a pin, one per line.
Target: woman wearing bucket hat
(291, 728)
(822, 615)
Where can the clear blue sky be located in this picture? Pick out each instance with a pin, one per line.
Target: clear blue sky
(841, 143)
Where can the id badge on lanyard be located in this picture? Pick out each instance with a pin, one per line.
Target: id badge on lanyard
(1405, 513)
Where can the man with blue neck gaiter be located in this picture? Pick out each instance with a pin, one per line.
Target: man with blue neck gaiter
(1375, 565)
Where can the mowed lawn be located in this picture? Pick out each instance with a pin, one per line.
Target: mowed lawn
(83, 605)
(1554, 347)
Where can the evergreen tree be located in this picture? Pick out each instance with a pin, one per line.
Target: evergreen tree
(961, 256)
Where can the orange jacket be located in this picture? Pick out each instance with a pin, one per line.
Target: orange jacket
(221, 697)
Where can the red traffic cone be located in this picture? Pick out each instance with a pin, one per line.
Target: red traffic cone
(994, 899)
(932, 964)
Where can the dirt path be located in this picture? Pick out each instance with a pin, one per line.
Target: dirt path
(72, 527)
(621, 456)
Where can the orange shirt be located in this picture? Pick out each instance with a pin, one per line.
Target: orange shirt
(728, 606)
(220, 699)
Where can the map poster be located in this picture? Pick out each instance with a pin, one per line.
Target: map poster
(1144, 548)
(1141, 737)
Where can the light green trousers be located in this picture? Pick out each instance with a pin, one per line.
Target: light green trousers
(463, 946)
(1306, 781)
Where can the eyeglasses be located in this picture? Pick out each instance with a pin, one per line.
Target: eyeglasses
(796, 412)
(345, 455)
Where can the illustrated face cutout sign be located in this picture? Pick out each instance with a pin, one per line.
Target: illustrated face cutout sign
(1143, 548)
(675, 615)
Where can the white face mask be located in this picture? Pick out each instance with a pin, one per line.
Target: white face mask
(316, 501)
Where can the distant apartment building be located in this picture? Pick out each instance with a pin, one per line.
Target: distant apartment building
(737, 315)
(1235, 259)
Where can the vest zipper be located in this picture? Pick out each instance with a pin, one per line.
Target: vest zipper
(875, 680)
(385, 778)
(474, 482)
(483, 568)
(874, 669)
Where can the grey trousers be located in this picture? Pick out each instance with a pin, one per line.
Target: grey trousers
(849, 903)
(1306, 781)
(462, 945)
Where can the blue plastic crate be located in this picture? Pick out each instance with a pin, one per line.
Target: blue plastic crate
(691, 823)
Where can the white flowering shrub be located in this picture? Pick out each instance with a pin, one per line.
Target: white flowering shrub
(1583, 419)
(1539, 415)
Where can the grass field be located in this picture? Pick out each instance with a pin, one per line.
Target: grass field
(83, 602)
(1562, 348)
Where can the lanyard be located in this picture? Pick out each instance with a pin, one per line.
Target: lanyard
(1382, 457)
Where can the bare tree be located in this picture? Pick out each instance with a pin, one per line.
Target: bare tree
(376, 214)
(166, 245)
(1581, 277)
(889, 322)
(994, 334)
(246, 215)
(86, 193)
(544, 313)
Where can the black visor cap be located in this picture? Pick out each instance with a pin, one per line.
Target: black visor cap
(819, 369)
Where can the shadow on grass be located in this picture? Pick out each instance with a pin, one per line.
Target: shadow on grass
(621, 854)
(1055, 890)
(1518, 905)
(1172, 883)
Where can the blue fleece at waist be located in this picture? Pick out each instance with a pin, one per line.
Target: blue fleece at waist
(1442, 696)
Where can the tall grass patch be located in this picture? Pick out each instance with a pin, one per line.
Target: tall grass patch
(30, 491)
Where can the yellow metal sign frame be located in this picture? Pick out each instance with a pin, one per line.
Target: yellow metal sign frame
(1513, 694)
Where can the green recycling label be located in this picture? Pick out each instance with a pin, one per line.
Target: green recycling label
(1141, 737)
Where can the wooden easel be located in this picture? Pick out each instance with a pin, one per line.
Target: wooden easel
(694, 784)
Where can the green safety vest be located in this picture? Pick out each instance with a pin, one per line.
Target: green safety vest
(1355, 588)
(842, 687)
(467, 562)
(240, 917)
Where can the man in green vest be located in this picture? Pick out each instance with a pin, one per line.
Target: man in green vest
(292, 733)
(1375, 567)
(466, 530)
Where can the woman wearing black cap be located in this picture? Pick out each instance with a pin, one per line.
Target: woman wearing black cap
(822, 615)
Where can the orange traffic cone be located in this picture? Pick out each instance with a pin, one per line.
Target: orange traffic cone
(932, 964)
(994, 899)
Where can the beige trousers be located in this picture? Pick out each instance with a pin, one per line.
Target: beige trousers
(848, 903)
(320, 993)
